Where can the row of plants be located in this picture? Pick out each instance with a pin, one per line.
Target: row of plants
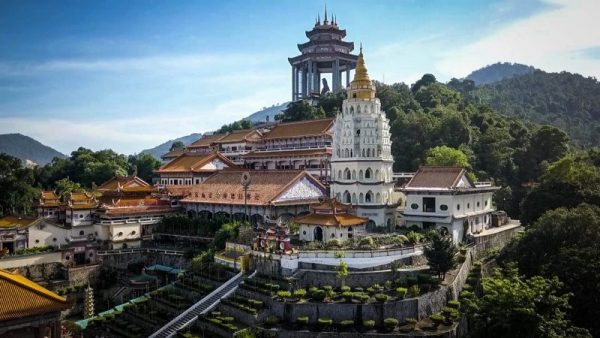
(221, 320)
(70, 289)
(34, 250)
(249, 305)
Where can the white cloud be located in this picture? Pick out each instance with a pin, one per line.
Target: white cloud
(551, 40)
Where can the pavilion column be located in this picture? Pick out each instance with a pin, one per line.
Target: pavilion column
(309, 78)
(317, 79)
(347, 77)
(336, 75)
(294, 83)
(304, 82)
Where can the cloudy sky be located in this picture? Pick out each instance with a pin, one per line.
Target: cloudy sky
(129, 75)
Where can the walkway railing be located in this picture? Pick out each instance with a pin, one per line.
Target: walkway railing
(201, 307)
(142, 250)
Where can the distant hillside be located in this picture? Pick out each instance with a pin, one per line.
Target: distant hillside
(267, 114)
(565, 100)
(26, 148)
(163, 148)
(498, 72)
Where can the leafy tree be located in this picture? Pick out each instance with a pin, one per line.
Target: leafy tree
(65, 186)
(566, 183)
(512, 306)
(565, 243)
(300, 111)
(446, 156)
(425, 80)
(342, 272)
(237, 125)
(145, 164)
(16, 191)
(177, 145)
(440, 253)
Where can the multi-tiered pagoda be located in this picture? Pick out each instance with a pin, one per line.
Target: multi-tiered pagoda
(325, 52)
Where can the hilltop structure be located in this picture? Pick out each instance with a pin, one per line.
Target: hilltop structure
(361, 164)
(325, 52)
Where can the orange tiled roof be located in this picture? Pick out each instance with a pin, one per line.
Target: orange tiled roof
(193, 162)
(300, 129)
(240, 136)
(20, 297)
(205, 141)
(48, 199)
(150, 205)
(344, 220)
(330, 204)
(173, 153)
(14, 221)
(436, 177)
(287, 153)
(132, 183)
(224, 187)
(81, 200)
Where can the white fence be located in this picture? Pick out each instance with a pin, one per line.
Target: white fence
(359, 253)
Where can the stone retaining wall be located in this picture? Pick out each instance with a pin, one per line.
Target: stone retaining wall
(363, 279)
(451, 333)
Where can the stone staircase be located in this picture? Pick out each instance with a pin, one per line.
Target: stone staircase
(201, 307)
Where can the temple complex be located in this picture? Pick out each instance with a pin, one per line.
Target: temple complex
(325, 52)
(361, 164)
(192, 168)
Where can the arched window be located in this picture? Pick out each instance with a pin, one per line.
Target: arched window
(358, 110)
(347, 174)
(369, 197)
(363, 152)
(368, 174)
(369, 152)
(360, 174)
(353, 174)
(361, 198)
(350, 232)
(338, 196)
(347, 197)
(351, 110)
(357, 132)
(351, 153)
(347, 152)
(338, 152)
(353, 198)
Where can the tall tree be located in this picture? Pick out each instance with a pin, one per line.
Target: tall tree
(16, 191)
(177, 145)
(446, 156)
(440, 253)
(144, 164)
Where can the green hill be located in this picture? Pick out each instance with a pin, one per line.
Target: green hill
(568, 101)
(498, 72)
(26, 148)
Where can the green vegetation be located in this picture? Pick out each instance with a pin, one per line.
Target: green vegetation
(564, 100)
(237, 125)
(513, 306)
(16, 185)
(565, 243)
(440, 253)
(497, 72)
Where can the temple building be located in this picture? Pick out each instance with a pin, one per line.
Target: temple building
(325, 52)
(445, 198)
(303, 145)
(13, 233)
(171, 155)
(78, 209)
(361, 163)
(48, 205)
(192, 168)
(238, 143)
(273, 195)
(205, 144)
(330, 220)
(28, 309)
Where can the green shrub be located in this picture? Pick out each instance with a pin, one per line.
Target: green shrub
(347, 296)
(454, 304)
(390, 323)
(327, 287)
(381, 298)
(388, 284)
(324, 322)
(414, 237)
(284, 294)
(367, 241)
(334, 243)
(319, 295)
(345, 288)
(467, 287)
(371, 291)
(414, 291)
(345, 325)
(437, 319)
(401, 292)
(257, 304)
(358, 289)
(300, 293)
(227, 319)
(368, 324)
(312, 290)
(302, 320)
(362, 297)
(461, 258)
(412, 322)
(271, 320)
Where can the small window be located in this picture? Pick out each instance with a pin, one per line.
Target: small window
(332, 235)
(37, 241)
(133, 232)
(486, 203)
(120, 234)
(91, 254)
(81, 233)
(54, 239)
(478, 204)
(443, 207)
(468, 205)
(458, 207)
(414, 206)
(67, 257)
(304, 232)
(80, 216)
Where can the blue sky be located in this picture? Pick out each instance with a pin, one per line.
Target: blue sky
(129, 75)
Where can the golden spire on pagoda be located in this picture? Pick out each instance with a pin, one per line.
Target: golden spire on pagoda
(361, 87)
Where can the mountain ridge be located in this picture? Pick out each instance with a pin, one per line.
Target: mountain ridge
(27, 148)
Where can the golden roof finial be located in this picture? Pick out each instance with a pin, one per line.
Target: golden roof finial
(361, 74)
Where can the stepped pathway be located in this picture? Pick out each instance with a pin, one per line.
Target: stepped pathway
(201, 307)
